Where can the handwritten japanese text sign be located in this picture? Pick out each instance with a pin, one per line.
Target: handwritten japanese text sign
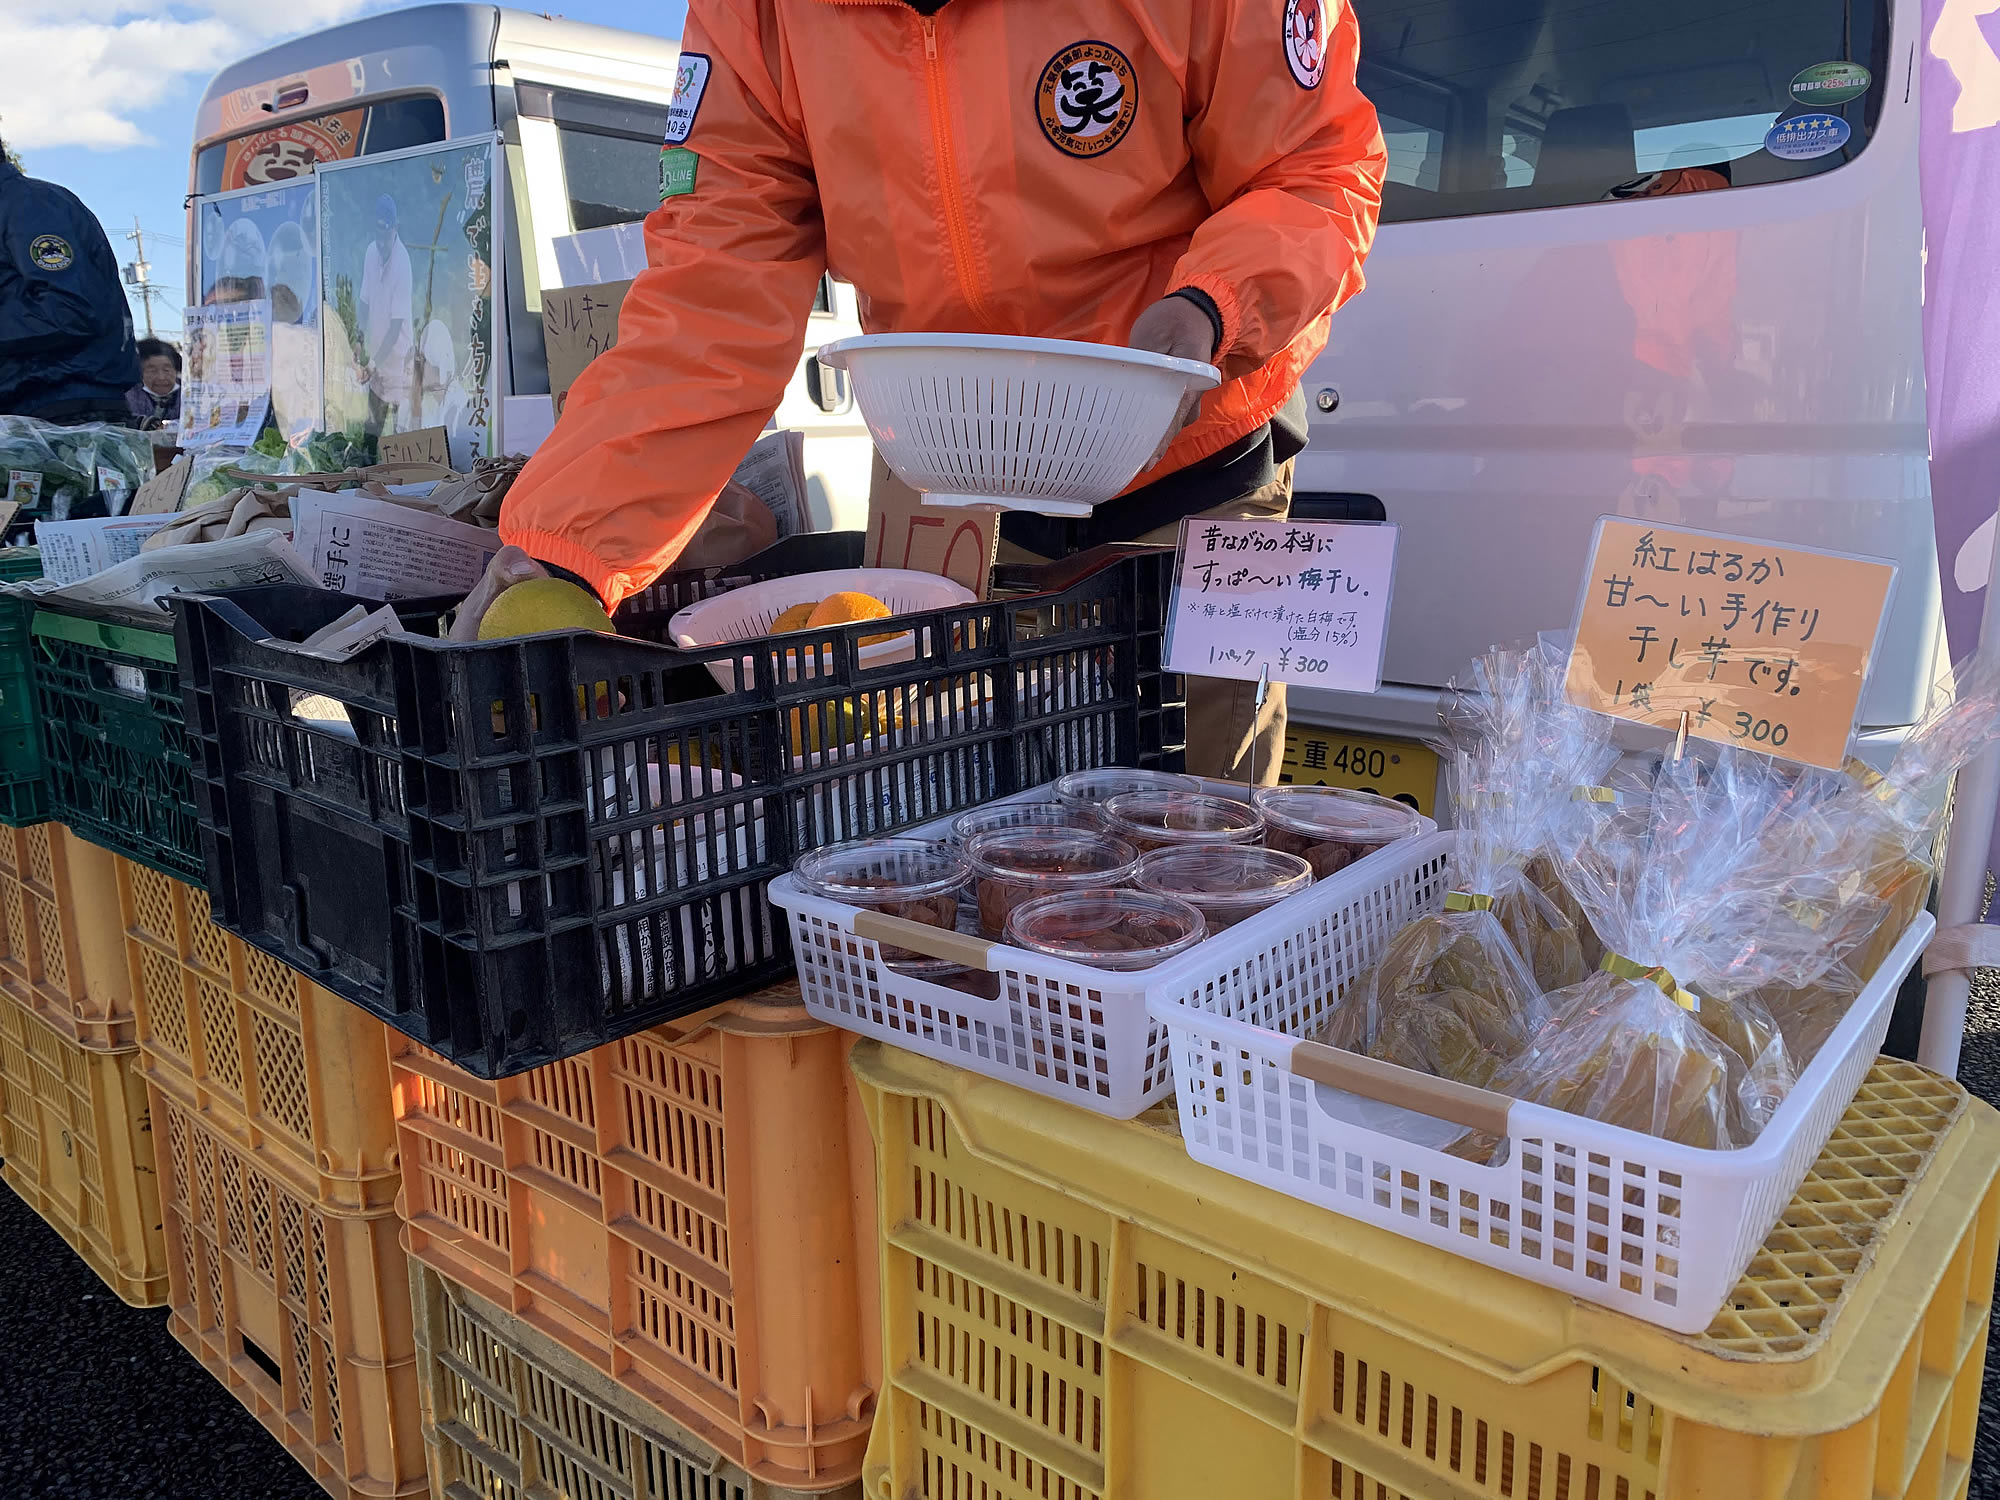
(1757, 644)
(1307, 601)
(578, 324)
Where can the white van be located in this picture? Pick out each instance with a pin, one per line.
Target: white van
(1541, 342)
(582, 111)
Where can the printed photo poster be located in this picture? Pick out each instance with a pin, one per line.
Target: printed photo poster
(263, 246)
(410, 325)
(227, 383)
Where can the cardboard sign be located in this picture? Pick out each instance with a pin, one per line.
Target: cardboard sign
(578, 324)
(161, 494)
(955, 542)
(1305, 602)
(1745, 642)
(420, 445)
(8, 510)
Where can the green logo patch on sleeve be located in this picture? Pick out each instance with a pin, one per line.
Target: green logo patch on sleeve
(677, 166)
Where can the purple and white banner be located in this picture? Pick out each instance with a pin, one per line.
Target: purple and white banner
(1959, 156)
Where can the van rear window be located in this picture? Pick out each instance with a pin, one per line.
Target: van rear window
(1490, 105)
(292, 148)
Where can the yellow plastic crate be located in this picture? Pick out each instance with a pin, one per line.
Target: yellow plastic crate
(1073, 1309)
(509, 1413)
(62, 952)
(275, 1063)
(77, 1138)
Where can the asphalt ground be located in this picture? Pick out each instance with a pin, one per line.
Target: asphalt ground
(97, 1401)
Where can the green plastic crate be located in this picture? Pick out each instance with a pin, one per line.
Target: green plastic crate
(24, 795)
(114, 739)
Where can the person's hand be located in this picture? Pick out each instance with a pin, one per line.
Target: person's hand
(510, 566)
(1175, 326)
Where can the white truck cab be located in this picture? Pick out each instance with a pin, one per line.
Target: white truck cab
(1596, 290)
(581, 111)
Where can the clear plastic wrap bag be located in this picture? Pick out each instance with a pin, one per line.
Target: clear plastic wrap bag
(1673, 1036)
(1619, 1050)
(1459, 990)
(1856, 851)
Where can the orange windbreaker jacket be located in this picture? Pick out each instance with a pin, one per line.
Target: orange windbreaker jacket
(1043, 167)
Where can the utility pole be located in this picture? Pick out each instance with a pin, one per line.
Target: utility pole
(138, 272)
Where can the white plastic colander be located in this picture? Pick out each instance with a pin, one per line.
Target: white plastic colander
(1044, 425)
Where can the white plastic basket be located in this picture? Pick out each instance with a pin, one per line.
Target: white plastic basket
(1613, 1216)
(749, 613)
(1024, 424)
(1071, 1032)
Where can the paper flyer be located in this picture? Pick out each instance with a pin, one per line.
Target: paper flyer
(228, 373)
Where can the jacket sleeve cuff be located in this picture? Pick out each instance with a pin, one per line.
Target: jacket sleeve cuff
(1228, 312)
(1207, 304)
(561, 555)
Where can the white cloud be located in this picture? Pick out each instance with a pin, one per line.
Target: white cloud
(99, 65)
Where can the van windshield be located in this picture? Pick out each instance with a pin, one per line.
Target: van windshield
(292, 148)
(1490, 105)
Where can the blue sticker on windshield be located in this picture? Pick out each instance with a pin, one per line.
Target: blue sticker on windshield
(1804, 137)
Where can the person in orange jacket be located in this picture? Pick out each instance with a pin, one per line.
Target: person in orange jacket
(1196, 177)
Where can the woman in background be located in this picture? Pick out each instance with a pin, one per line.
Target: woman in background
(156, 399)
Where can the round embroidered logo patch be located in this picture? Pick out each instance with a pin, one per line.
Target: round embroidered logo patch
(1087, 98)
(1306, 25)
(51, 252)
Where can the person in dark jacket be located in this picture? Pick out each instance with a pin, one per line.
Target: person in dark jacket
(157, 396)
(67, 354)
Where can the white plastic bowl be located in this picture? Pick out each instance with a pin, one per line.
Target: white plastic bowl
(1044, 425)
(749, 612)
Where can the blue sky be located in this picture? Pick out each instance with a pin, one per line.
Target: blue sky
(107, 106)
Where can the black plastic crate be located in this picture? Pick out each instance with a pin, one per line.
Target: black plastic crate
(517, 850)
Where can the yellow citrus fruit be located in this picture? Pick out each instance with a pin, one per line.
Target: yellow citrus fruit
(795, 618)
(856, 724)
(541, 604)
(846, 607)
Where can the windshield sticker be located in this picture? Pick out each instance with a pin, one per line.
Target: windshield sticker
(1804, 137)
(1831, 83)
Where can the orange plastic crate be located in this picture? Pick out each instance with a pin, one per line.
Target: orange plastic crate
(689, 1209)
(61, 952)
(277, 1064)
(77, 1138)
(303, 1314)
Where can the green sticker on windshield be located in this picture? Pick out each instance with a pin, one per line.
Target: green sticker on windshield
(1831, 83)
(677, 166)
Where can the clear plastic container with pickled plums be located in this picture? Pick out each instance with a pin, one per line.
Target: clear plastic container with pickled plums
(967, 826)
(1095, 788)
(1119, 930)
(1332, 826)
(1175, 819)
(915, 879)
(1226, 884)
(1013, 865)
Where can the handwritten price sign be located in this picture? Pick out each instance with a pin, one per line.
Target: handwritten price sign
(1756, 644)
(1305, 601)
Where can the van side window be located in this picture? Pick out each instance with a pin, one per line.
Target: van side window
(1491, 105)
(610, 151)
